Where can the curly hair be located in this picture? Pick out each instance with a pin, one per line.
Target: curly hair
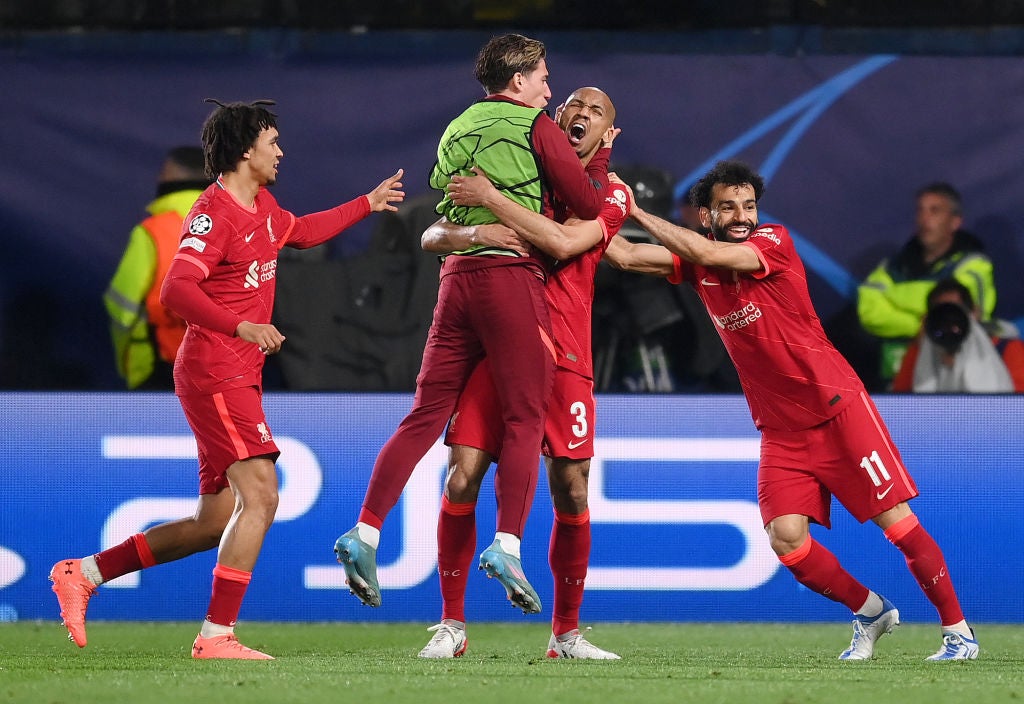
(505, 56)
(231, 130)
(729, 173)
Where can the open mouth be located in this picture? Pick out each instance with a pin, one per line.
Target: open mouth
(577, 131)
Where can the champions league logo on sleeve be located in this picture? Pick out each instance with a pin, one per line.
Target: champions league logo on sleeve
(200, 224)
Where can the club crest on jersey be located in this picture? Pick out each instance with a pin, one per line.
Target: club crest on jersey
(270, 229)
(200, 225)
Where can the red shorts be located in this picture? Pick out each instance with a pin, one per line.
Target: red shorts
(850, 457)
(229, 426)
(568, 426)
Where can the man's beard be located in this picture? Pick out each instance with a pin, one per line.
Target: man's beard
(722, 233)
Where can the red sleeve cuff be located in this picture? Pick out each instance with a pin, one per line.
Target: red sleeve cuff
(676, 277)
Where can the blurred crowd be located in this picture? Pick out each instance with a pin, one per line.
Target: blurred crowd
(922, 321)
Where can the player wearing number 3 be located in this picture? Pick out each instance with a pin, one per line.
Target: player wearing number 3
(476, 432)
(821, 434)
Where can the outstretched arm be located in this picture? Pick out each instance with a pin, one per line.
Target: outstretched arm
(316, 228)
(559, 241)
(696, 248)
(693, 246)
(639, 258)
(389, 191)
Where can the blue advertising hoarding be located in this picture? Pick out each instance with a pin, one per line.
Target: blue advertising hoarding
(676, 530)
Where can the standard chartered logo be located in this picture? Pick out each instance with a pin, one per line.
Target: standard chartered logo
(258, 274)
(739, 318)
(252, 277)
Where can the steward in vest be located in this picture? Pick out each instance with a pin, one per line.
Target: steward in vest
(893, 300)
(145, 334)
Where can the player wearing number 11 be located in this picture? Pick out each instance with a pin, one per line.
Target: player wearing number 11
(821, 434)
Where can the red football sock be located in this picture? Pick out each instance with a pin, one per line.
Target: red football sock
(130, 556)
(815, 567)
(456, 545)
(927, 564)
(229, 587)
(569, 554)
(370, 518)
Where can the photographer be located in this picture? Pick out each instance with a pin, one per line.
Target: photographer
(956, 353)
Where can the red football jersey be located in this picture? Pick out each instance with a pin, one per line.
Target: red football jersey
(791, 374)
(230, 251)
(570, 290)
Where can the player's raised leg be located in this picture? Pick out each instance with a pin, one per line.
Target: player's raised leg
(75, 581)
(501, 561)
(74, 590)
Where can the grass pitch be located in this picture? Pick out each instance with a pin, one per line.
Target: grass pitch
(368, 663)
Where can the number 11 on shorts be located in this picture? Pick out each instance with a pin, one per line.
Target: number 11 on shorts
(873, 463)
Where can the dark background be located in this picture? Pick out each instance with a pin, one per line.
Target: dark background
(96, 91)
(472, 14)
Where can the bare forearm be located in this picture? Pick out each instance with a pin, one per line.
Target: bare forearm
(445, 236)
(547, 235)
(688, 244)
(555, 239)
(696, 248)
(639, 258)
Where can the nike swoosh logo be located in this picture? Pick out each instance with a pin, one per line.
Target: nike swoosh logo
(250, 235)
(574, 445)
(882, 494)
(709, 283)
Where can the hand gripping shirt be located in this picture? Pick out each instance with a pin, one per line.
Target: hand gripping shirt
(792, 376)
(229, 251)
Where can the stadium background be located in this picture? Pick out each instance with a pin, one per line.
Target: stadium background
(846, 110)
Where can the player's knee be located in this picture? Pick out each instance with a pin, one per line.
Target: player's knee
(265, 503)
(208, 531)
(783, 546)
(462, 488)
(258, 501)
(570, 498)
(786, 537)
